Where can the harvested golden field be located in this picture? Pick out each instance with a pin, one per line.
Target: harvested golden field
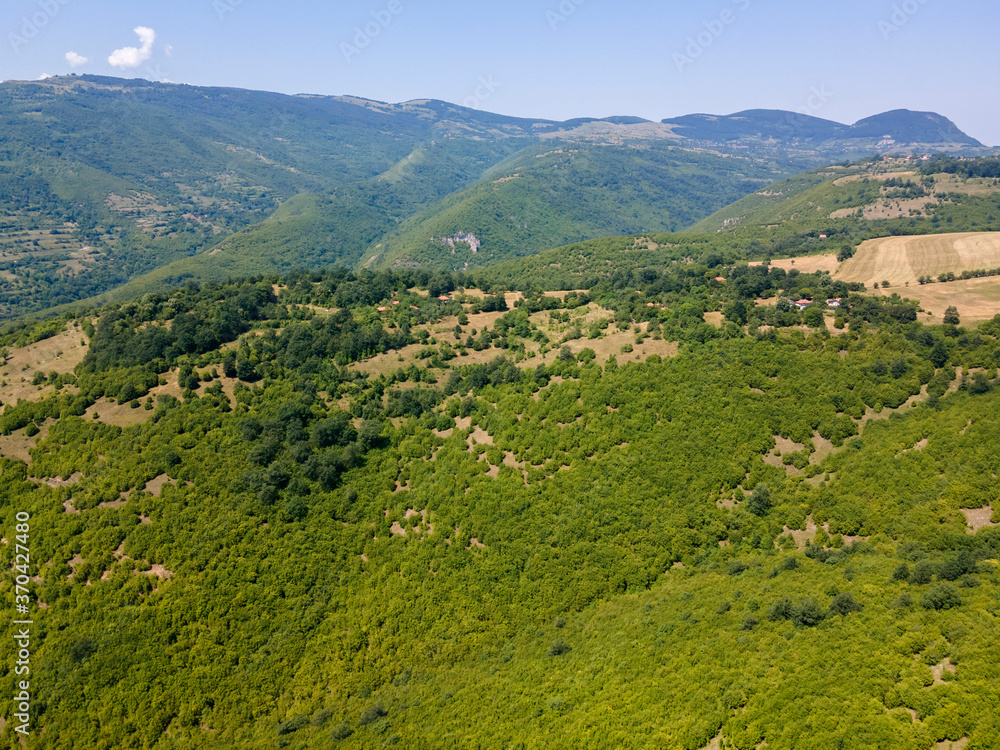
(899, 260)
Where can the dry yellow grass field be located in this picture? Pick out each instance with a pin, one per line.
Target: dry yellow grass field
(977, 300)
(806, 264)
(899, 260)
(59, 353)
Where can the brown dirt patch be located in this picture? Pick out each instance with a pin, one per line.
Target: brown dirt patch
(74, 563)
(824, 448)
(939, 669)
(919, 446)
(155, 486)
(783, 446)
(55, 482)
(978, 518)
(159, 571)
(956, 745)
(480, 436)
(473, 542)
(801, 536)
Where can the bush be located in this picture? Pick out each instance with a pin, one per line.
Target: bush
(760, 500)
(941, 596)
(808, 613)
(559, 647)
(341, 732)
(922, 572)
(736, 567)
(749, 623)
(901, 573)
(780, 610)
(373, 713)
(292, 725)
(903, 601)
(844, 603)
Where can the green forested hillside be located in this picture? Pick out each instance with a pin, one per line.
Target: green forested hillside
(289, 512)
(561, 192)
(107, 181)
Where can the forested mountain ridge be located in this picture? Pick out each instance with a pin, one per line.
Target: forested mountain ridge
(104, 180)
(364, 509)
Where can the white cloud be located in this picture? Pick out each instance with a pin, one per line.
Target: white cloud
(169, 49)
(44, 76)
(75, 60)
(133, 57)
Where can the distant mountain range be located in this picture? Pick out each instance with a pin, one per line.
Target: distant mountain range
(104, 181)
(891, 132)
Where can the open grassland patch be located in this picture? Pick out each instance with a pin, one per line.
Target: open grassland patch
(59, 354)
(977, 300)
(806, 264)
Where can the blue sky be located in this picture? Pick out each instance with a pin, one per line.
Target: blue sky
(556, 59)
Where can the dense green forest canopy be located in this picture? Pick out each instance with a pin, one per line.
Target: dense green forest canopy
(244, 538)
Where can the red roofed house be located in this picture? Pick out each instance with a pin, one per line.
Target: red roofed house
(802, 304)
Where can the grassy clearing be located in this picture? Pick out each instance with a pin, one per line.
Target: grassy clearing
(807, 264)
(899, 260)
(59, 353)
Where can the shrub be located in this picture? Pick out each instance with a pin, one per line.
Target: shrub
(903, 601)
(808, 613)
(941, 596)
(901, 573)
(373, 713)
(922, 572)
(844, 603)
(736, 567)
(341, 732)
(780, 610)
(292, 725)
(559, 647)
(749, 623)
